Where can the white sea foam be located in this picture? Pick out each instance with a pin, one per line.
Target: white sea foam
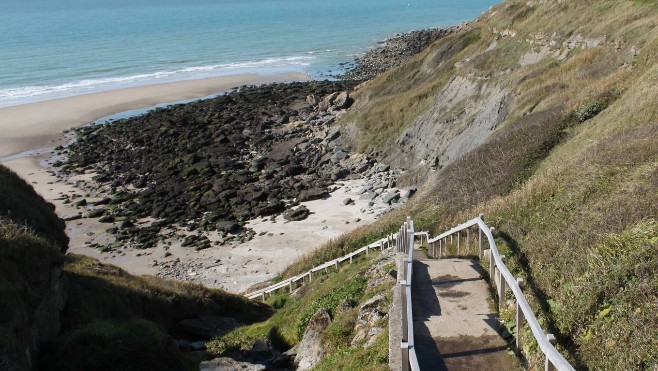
(19, 95)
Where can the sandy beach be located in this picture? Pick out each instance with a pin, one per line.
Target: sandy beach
(32, 130)
(234, 268)
(38, 125)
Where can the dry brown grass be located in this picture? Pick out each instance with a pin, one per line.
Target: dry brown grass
(576, 204)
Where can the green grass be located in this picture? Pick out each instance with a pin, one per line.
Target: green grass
(100, 291)
(569, 179)
(115, 345)
(286, 327)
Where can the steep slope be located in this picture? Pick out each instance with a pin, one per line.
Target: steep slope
(543, 115)
(69, 312)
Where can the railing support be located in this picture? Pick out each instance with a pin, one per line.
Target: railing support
(502, 279)
(519, 320)
(404, 348)
(480, 251)
(501, 287)
(459, 237)
(492, 261)
(549, 365)
(403, 297)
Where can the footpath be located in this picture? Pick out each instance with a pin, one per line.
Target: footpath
(454, 321)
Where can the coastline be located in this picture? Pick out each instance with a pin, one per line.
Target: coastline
(37, 125)
(31, 131)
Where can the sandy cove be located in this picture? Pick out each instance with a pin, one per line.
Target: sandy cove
(38, 127)
(234, 268)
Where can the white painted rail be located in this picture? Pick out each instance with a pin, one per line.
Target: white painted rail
(406, 245)
(381, 244)
(500, 273)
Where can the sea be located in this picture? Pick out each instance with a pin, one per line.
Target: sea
(58, 48)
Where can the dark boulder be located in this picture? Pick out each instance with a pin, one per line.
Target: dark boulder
(297, 214)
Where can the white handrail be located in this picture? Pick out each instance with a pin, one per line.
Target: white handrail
(408, 348)
(553, 356)
(332, 263)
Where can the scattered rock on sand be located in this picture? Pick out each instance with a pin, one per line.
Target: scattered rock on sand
(297, 214)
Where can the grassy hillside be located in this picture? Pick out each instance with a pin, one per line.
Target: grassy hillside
(567, 171)
(343, 294)
(76, 313)
(20, 204)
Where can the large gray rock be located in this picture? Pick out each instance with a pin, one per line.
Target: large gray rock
(228, 364)
(95, 213)
(368, 196)
(367, 326)
(342, 101)
(311, 349)
(327, 101)
(311, 194)
(297, 214)
(391, 197)
(228, 226)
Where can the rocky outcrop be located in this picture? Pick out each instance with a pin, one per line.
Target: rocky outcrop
(393, 52)
(311, 349)
(369, 323)
(229, 364)
(463, 115)
(214, 164)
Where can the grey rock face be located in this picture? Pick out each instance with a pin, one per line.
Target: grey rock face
(310, 350)
(228, 364)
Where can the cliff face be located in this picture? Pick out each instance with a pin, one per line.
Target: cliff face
(543, 115)
(519, 58)
(32, 294)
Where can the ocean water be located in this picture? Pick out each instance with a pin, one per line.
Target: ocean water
(51, 49)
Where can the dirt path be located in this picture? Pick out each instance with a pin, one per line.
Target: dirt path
(454, 325)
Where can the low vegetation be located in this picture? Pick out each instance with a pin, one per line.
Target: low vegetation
(80, 314)
(569, 179)
(342, 293)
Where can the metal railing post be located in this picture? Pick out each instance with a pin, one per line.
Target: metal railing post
(549, 365)
(459, 235)
(501, 287)
(480, 251)
(519, 319)
(492, 261)
(404, 348)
